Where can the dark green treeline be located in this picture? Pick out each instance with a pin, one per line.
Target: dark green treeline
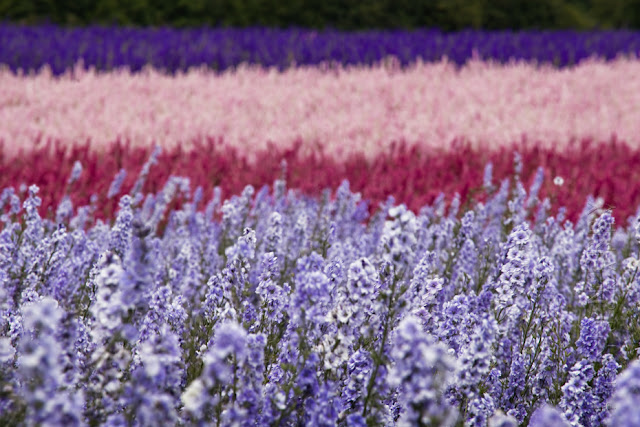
(448, 15)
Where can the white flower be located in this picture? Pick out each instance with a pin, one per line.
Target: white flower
(192, 398)
(558, 180)
(6, 350)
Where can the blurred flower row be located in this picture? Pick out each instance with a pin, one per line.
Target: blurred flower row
(607, 171)
(344, 111)
(30, 48)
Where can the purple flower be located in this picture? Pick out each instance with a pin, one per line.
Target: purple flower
(576, 393)
(515, 271)
(275, 298)
(359, 370)
(362, 281)
(626, 398)
(456, 322)
(235, 211)
(596, 258)
(311, 299)
(6, 350)
(116, 184)
(47, 396)
(64, 212)
(516, 205)
(227, 353)
(480, 410)
(245, 247)
(422, 370)
(488, 174)
(425, 286)
(535, 187)
(603, 386)
(398, 239)
(548, 416)
(76, 171)
(517, 163)
(109, 306)
(274, 233)
(322, 408)
(475, 361)
(464, 269)
(120, 234)
(157, 379)
(593, 337)
(499, 419)
(515, 390)
(136, 191)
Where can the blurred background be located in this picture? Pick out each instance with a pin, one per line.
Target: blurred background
(447, 15)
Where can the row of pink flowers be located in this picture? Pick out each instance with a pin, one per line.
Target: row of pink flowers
(344, 110)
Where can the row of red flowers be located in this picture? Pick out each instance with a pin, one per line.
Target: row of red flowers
(609, 169)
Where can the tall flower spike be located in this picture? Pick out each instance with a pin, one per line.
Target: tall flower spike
(593, 338)
(227, 352)
(109, 306)
(76, 171)
(576, 393)
(116, 184)
(157, 379)
(422, 371)
(120, 235)
(626, 398)
(488, 176)
(49, 399)
(144, 173)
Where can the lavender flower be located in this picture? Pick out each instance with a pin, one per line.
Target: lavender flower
(398, 238)
(109, 307)
(76, 171)
(535, 188)
(359, 368)
(422, 370)
(152, 398)
(226, 354)
(593, 337)
(64, 212)
(144, 173)
(576, 398)
(626, 398)
(514, 274)
(488, 175)
(548, 416)
(120, 235)
(274, 297)
(6, 350)
(502, 420)
(603, 386)
(116, 184)
(48, 398)
(362, 282)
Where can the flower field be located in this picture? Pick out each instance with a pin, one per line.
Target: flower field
(305, 231)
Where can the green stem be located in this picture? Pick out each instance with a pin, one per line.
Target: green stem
(378, 359)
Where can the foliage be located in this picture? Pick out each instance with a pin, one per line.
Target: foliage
(344, 14)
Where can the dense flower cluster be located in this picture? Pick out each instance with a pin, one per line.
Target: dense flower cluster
(273, 308)
(30, 48)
